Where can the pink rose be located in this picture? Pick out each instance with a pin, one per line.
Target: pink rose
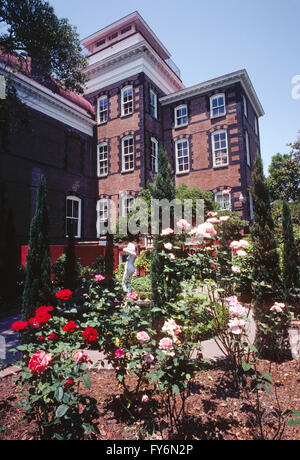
(149, 359)
(206, 230)
(183, 224)
(145, 399)
(236, 269)
(241, 253)
(39, 362)
(142, 337)
(99, 278)
(119, 353)
(168, 246)
(170, 327)
(132, 296)
(167, 231)
(278, 307)
(212, 214)
(237, 326)
(224, 218)
(213, 220)
(165, 344)
(80, 355)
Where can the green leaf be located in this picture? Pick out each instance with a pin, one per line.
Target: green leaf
(59, 394)
(246, 366)
(86, 382)
(175, 389)
(61, 410)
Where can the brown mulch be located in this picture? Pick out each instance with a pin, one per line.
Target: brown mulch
(213, 409)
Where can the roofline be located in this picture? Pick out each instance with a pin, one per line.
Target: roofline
(240, 76)
(119, 22)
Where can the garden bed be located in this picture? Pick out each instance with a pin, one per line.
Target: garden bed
(213, 411)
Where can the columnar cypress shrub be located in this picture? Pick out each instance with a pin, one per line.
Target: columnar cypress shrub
(162, 188)
(267, 285)
(291, 262)
(37, 289)
(72, 266)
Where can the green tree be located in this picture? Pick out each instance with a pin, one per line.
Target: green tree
(291, 261)
(267, 286)
(31, 28)
(37, 289)
(162, 188)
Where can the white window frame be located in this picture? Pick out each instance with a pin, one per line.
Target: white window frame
(256, 126)
(125, 208)
(215, 150)
(177, 118)
(102, 161)
(103, 112)
(130, 101)
(78, 200)
(125, 155)
(218, 107)
(245, 106)
(247, 143)
(154, 155)
(224, 208)
(186, 155)
(153, 107)
(251, 210)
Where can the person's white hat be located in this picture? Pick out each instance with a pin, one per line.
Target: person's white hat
(130, 249)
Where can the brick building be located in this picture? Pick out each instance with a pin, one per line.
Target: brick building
(105, 145)
(210, 131)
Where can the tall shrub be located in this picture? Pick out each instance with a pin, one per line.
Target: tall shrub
(162, 188)
(37, 290)
(291, 261)
(267, 286)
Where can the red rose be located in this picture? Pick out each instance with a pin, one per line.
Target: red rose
(20, 326)
(42, 317)
(39, 362)
(34, 323)
(64, 294)
(90, 334)
(71, 326)
(41, 339)
(52, 336)
(69, 382)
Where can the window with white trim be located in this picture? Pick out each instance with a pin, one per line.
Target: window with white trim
(154, 155)
(102, 210)
(224, 201)
(182, 156)
(220, 148)
(247, 142)
(181, 116)
(217, 106)
(256, 128)
(128, 203)
(127, 101)
(127, 154)
(102, 109)
(245, 106)
(73, 216)
(251, 211)
(102, 160)
(153, 104)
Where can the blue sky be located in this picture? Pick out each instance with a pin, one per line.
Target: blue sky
(209, 39)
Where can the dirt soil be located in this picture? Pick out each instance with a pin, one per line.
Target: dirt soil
(213, 409)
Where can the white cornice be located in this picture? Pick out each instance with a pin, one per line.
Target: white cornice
(45, 101)
(129, 62)
(241, 76)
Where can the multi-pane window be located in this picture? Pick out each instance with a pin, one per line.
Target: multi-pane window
(154, 155)
(181, 116)
(217, 106)
(102, 215)
(220, 148)
(153, 104)
(73, 216)
(127, 101)
(245, 106)
(127, 154)
(102, 109)
(224, 200)
(128, 203)
(182, 156)
(248, 156)
(102, 165)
